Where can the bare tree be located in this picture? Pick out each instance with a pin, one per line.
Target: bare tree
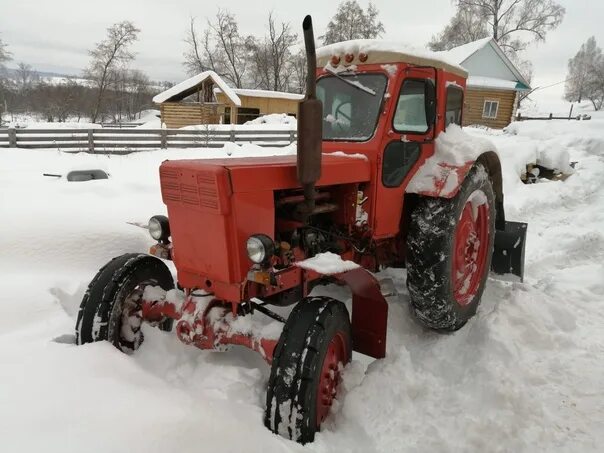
(107, 56)
(466, 26)
(231, 51)
(195, 61)
(273, 57)
(26, 77)
(353, 22)
(5, 56)
(299, 71)
(511, 23)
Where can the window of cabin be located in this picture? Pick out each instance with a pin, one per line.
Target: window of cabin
(245, 114)
(490, 109)
(410, 115)
(454, 105)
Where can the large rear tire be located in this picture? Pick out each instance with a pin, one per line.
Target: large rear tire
(110, 311)
(449, 249)
(315, 345)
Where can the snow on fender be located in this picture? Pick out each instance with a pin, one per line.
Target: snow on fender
(455, 152)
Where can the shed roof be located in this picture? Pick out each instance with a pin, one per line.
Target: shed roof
(464, 54)
(380, 51)
(264, 94)
(191, 85)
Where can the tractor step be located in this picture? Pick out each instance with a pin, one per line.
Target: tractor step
(508, 253)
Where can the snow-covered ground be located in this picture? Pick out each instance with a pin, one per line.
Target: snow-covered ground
(524, 375)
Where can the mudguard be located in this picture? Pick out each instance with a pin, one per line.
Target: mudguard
(508, 254)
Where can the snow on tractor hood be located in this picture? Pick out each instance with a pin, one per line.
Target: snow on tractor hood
(442, 173)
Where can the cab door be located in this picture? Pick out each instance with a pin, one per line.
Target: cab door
(406, 145)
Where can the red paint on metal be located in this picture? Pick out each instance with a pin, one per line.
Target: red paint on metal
(470, 252)
(329, 380)
(369, 312)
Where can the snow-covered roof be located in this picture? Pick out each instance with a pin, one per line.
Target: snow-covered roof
(380, 52)
(189, 86)
(264, 94)
(491, 82)
(462, 55)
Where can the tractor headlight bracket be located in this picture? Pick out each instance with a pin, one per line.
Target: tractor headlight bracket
(159, 228)
(260, 248)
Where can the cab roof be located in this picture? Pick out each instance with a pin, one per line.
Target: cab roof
(388, 52)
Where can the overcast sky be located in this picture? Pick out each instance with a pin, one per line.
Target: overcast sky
(56, 35)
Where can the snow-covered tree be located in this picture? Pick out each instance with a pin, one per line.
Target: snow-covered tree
(108, 56)
(582, 71)
(512, 23)
(351, 21)
(272, 56)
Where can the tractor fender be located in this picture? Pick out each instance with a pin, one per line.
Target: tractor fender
(369, 312)
(444, 180)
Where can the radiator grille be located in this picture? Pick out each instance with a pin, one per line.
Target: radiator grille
(203, 195)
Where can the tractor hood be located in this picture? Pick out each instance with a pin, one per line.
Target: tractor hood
(249, 174)
(214, 205)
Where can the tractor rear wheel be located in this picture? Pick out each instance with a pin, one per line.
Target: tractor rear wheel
(449, 249)
(314, 347)
(110, 309)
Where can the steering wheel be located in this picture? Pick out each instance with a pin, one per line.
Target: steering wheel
(339, 113)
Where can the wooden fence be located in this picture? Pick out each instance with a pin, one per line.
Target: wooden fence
(105, 140)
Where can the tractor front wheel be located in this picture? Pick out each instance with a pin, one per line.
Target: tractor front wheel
(314, 347)
(449, 250)
(110, 309)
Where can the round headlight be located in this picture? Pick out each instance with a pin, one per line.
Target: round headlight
(159, 228)
(259, 248)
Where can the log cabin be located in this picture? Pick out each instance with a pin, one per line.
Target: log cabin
(493, 84)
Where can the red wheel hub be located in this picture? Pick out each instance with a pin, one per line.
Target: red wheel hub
(470, 248)
(329, 381)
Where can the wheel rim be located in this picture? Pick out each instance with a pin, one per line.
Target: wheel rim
(330, 378)
(130, 334)
(471, 246)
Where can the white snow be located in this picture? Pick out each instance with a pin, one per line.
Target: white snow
(461, 53)
(400, 50)
(264, 93)
(274, 118)
(524, 375)
(327, 263)
(490, 82)
(343, 154)
(453, 147)
(389, 68)
(195, 80)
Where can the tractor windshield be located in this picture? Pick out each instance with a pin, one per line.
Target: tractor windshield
(351, 110)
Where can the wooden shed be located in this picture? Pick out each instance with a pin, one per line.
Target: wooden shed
(207, 99)
(493, 83)
(193, 101)
(255, 103)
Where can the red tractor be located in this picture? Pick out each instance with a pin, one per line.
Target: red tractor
(248, 233)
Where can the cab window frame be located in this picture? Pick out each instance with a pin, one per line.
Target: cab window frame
(425, 81)
(460, 90)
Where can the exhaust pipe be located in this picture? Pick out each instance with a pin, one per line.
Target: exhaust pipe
(310, 127)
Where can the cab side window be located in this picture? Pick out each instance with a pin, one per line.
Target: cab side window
(410, 114)
(454, 105)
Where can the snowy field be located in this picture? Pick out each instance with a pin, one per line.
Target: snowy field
(525, 375)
